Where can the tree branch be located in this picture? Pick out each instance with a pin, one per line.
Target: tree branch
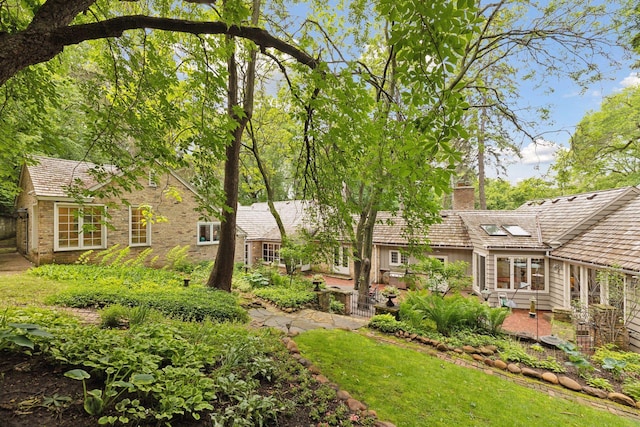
(43, 41)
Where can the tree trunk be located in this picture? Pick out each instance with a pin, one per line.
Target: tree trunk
(290, 264)
(481, 172)
(222, 273)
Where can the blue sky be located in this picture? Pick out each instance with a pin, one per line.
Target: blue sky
(568, 105)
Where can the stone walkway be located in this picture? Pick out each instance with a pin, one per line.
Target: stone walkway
(303, 320)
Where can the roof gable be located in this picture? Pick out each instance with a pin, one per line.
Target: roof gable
(563, 218)
(612, 241)
(52, 177)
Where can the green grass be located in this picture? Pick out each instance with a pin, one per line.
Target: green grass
(410, 388)
(25, 289)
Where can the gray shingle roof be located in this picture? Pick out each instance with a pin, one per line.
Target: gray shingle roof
(256, 220)
(613, 241)
(448, 233)
(473, 221)
(560, 216)
(51, 177)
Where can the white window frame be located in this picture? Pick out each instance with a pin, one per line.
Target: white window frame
(81, 246)
(213, 226)
(275, 248)
(402, 259)
(148, 231)
(529, 273)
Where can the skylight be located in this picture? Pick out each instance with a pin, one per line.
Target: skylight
(516, 230)
(493, 230)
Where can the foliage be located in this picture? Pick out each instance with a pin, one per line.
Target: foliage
(625, 361)
(444, 277)
(164, 372)
(178, 259)
(631, 387)
(257, 280)
(453, 312)
(604, 152)
(600, 383)
(502, 195)
(335, 306)
(390, 291)
(19, 334)
(386, 323)
(162, 290)
(576, 358)
(113, 316)
(294, 296)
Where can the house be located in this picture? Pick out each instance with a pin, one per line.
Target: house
(262, 235)
(54, 227)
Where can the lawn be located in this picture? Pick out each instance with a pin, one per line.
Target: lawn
(411, 388)
(25, 289)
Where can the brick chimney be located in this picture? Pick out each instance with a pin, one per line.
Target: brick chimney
(463, 197)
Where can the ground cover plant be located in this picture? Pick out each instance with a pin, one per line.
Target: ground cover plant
(412, 388)
(96, 286)
(167, 372)
(286, 292)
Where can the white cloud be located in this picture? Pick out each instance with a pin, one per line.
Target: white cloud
(632, 79)
(540, 151)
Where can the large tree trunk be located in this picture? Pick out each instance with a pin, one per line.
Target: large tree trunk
(222, 273)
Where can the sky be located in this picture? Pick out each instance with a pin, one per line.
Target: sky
(569, 104)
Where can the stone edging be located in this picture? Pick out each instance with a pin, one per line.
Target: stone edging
(548, 382)
(355, 406)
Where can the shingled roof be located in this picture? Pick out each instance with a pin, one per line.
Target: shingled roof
(563, 218)
(528, 222)
(256, 220)
(613, 241)
(51, 177)
(450, 232)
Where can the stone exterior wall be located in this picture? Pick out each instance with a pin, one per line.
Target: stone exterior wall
(7, 227)
(179, 230)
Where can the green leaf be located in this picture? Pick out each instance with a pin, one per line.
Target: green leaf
(77, 374)
(142, 379)
(22, 341)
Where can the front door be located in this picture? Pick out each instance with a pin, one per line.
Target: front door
(341, 260)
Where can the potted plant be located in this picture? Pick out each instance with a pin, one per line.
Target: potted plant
(390, 292)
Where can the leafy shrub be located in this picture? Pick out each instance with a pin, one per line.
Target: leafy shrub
(113, 316)
(631, 387)
(386, 323)
(258, 280)
(451, 313)
(336, 306)
(98, 286)
(600, 383)
(631, 359)
(177, 259)
(295, 296)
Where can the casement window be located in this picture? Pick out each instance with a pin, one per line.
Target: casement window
(397, 258)
(524, 273)
(139, 226)
(271, 252)
(79, 227)
(208, 233)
